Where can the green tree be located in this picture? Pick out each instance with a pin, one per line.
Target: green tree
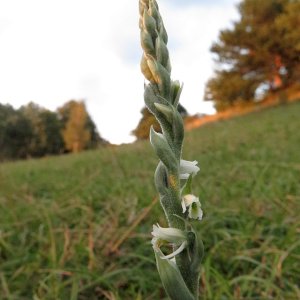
(6, 110)
(33, 131)
(287, 25)
(228, 88)
(95, 138)
(16, 133)
(33, 112)
(47, 137)
(54, 143)
(261, 51)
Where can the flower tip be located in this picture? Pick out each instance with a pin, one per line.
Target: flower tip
(187, 168)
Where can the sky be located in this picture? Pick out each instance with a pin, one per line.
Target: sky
(55, 51)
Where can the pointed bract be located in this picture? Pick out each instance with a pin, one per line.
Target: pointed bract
(172, 279)
(163, 150)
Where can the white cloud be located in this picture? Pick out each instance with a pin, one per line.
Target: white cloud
(54, 51)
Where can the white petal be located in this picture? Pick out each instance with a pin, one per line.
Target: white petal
(179, 250)
(173, 260)
(171, 235)
(195, 211)
(184, 176)
(183, 206)
(189, 199)
(189, 167)
(155, 244)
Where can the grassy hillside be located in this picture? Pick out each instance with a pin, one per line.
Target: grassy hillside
(78, 226)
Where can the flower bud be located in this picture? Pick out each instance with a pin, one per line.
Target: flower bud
(161, 179)
(153, 9)
(162, 53)
(150, 97)
(162, 31)
(164, 83)
(145, 69)
(147, 43)
(142, 7)
(178, 129)
(149, 24)
(161, 76)
(166, 110)
(163, 150)
(176, 90)
(153, 66)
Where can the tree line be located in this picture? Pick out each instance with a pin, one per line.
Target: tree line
(259, 55)
(33, 131)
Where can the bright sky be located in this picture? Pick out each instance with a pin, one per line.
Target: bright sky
(58, 50)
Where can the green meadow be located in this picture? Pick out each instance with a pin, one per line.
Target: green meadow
(78, 226)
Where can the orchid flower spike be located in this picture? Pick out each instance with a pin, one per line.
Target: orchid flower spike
(188, 168)
(180, 278)
(193, 205)
(162, 236)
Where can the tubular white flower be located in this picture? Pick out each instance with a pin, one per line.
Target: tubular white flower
(162, 236)
(187, 168)
(171, 235)
(194, 206)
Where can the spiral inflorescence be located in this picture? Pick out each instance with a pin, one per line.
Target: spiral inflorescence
(173, 176)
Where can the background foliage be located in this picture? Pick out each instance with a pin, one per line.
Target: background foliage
(260, 55)
(78, 226)
(33, 131)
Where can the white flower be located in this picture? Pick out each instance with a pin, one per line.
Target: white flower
(187, 168)
(194, 206)
(171, 235)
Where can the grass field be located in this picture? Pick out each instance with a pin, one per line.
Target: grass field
(78, 226)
